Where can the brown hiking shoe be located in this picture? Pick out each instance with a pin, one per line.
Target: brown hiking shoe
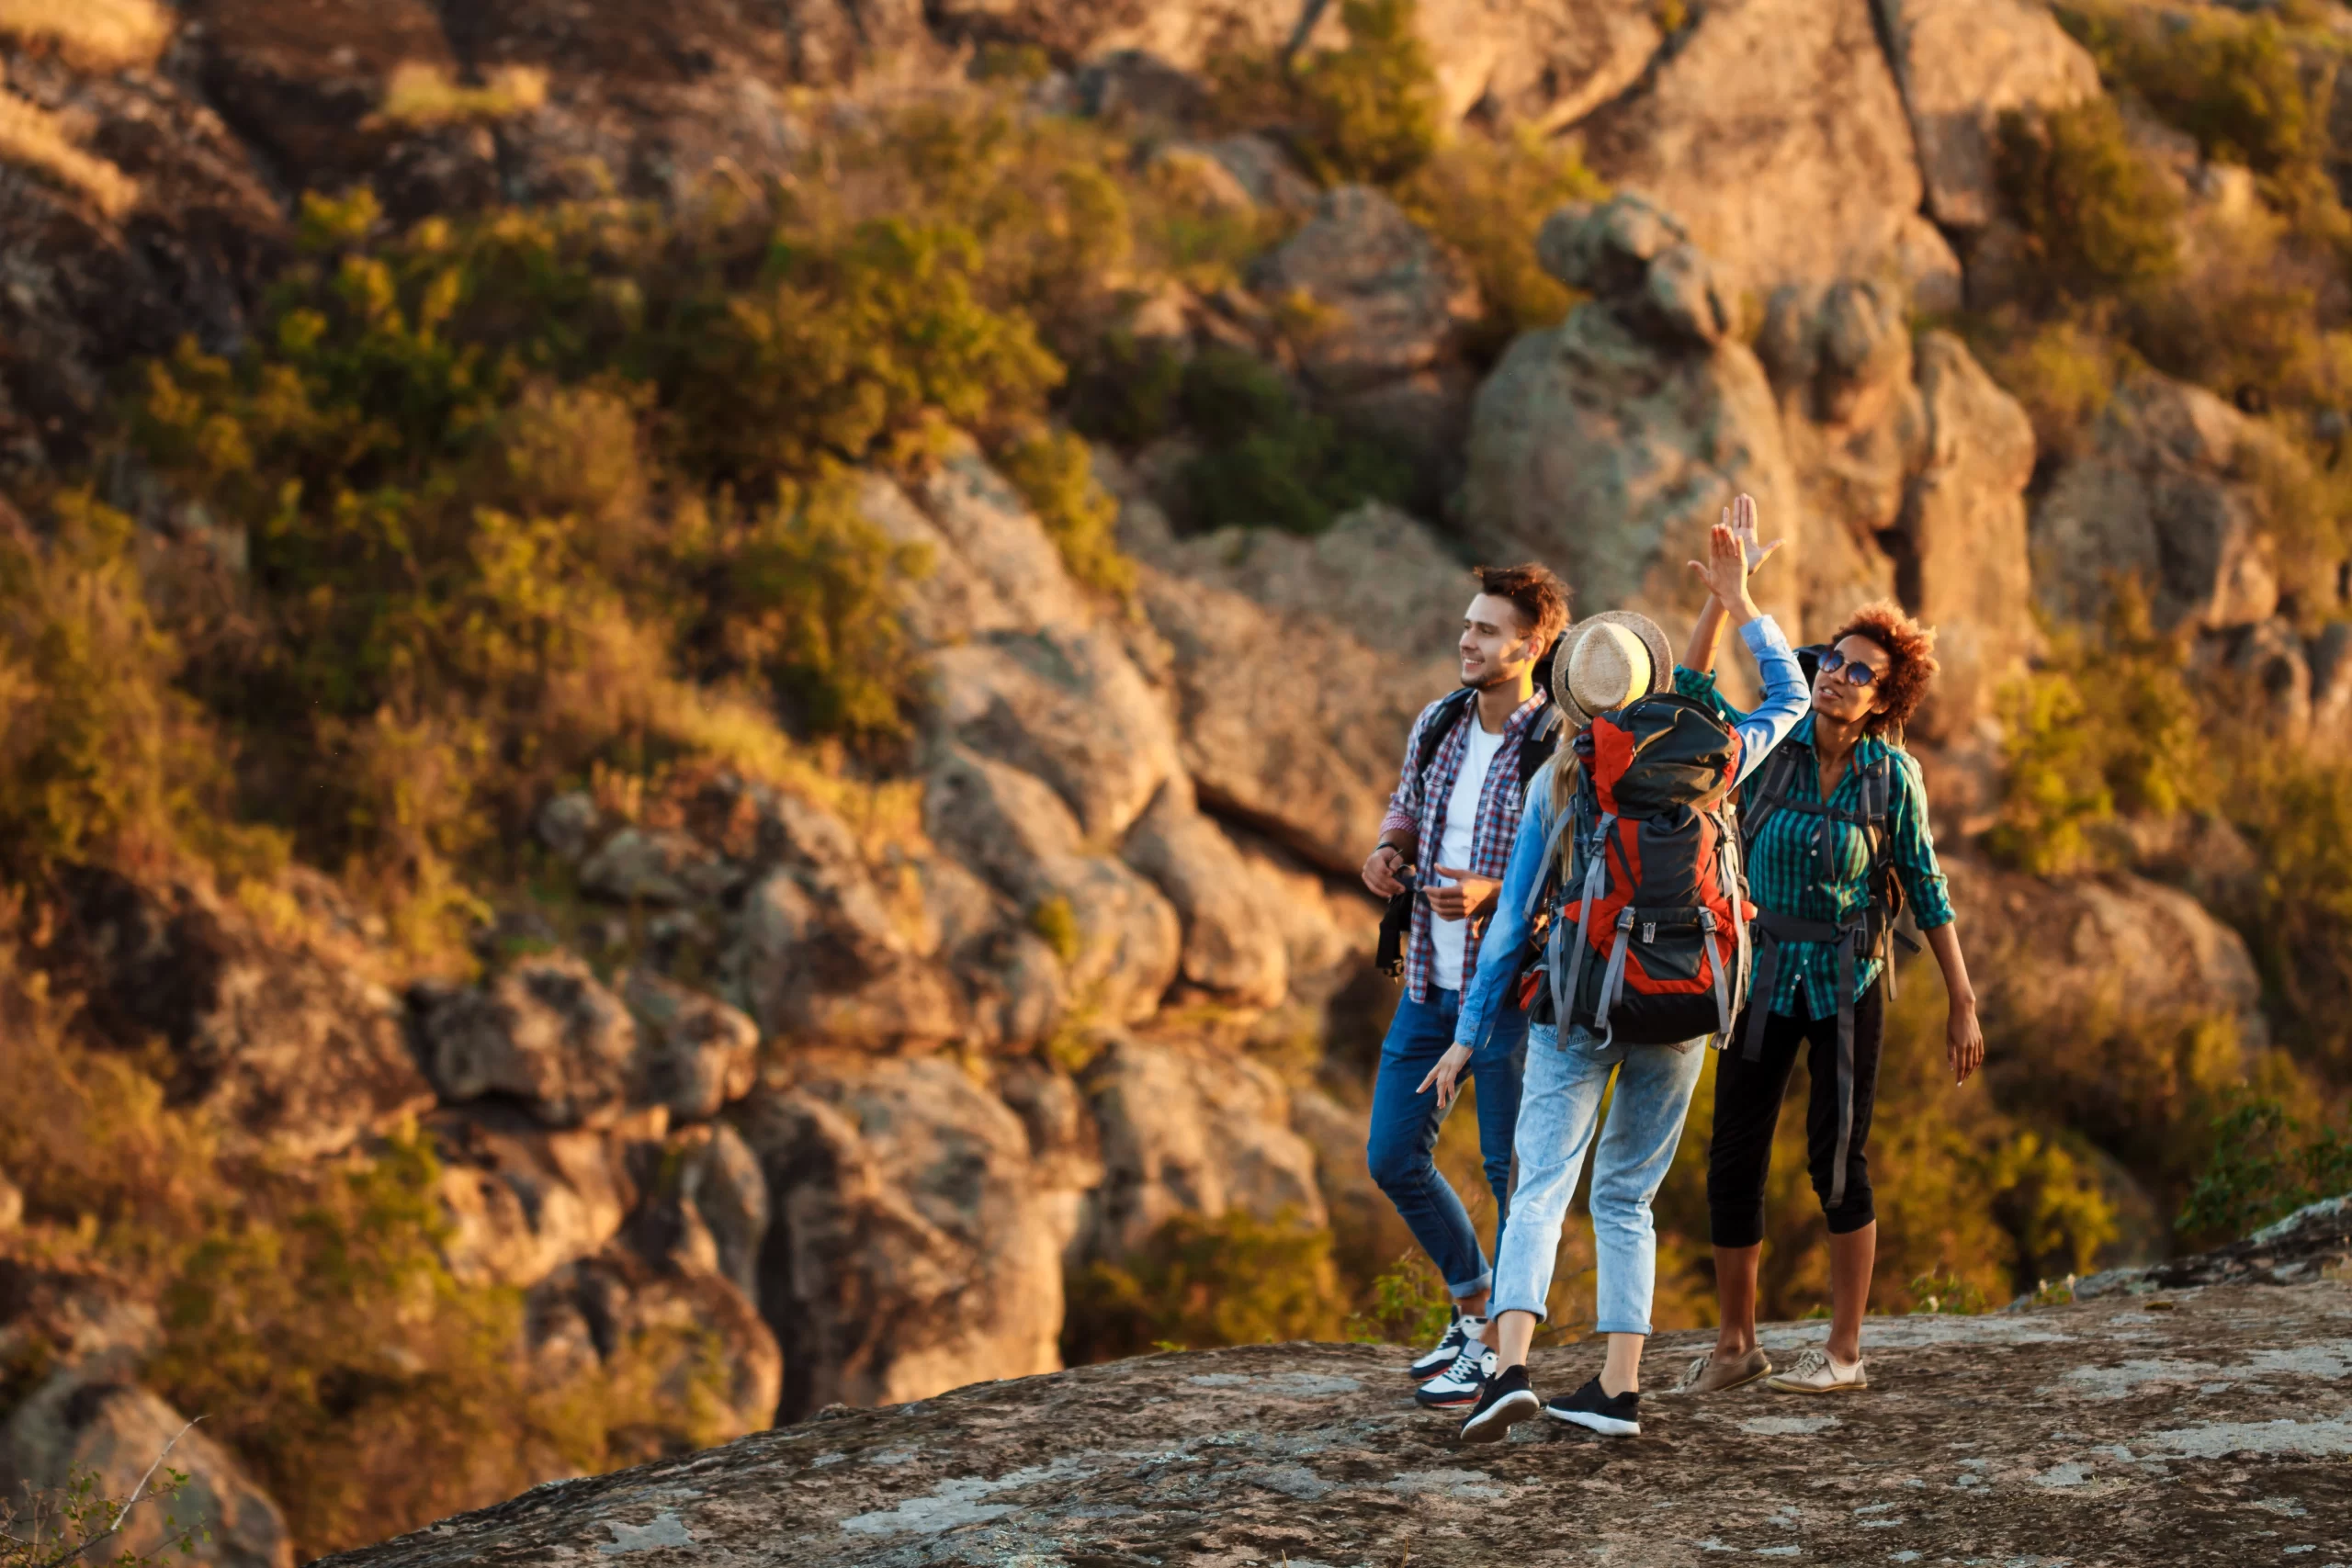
(1711, 1374)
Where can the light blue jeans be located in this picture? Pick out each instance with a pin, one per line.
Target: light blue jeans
(1559, 1109)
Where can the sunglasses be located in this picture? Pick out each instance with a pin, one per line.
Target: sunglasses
(1857, 672)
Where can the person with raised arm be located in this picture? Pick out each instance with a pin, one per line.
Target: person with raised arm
(1836, 831)
(1613, 829)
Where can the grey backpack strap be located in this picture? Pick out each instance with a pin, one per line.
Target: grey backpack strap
(1551, 848)
(1563, 989)
(1613, 978)
(1723, 985)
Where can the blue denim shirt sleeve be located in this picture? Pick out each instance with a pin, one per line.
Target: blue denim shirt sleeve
(1786, 700)
(1506, 933)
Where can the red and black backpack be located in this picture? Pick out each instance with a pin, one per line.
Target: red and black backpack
(1647, 940)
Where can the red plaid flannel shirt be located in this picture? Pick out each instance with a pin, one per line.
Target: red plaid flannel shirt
(1419, 805)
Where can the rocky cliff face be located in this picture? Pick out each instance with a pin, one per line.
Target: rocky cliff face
(845, 1080)
(2165, 1420)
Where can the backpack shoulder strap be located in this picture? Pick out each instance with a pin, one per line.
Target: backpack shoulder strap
(1770, 786)
(1538, 745)
(1447, 712)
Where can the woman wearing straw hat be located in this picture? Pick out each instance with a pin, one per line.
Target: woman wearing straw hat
(1604, 663)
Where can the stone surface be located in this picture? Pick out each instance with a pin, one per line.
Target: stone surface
(694, 1052)
(640, 865)
(1186, 1129)
(1774, 130)
(911, 1247)
(1126, 938)
(89, 294)
(686, 1333)
(546, 1034)
(825, 950)
(2107, 1431)
(2157, 494)
(113, 1431)
(522, 1200)
(1608, 445)
(1961, 65)
(1232, 948)
(1068, 706)
(1965, 524)
(285, 1040)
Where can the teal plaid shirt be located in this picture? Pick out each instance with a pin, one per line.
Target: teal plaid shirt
(1783, 874)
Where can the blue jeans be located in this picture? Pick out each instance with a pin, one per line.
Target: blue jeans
(1557, 1116)
(1404, 1123)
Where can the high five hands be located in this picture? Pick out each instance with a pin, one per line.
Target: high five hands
(1733, 555)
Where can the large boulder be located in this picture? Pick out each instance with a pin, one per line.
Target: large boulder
(1963, 524)
(1069, 706)
(284, 1040)
(1609, 444)
(686, 1338)
(1774, 129)
(1122, 937)
(1233, 949)
(1379, 308)
(92, 290)
(1186, 1130)
(2161, 493)
(694, 1052)
(113, 1431)
(546, 1034)
(2047, 952)
(993, 566)
(1841, 360)
(521, 1200)
(1961, 65)
(912, 1248)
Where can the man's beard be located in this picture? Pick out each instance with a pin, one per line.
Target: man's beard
(1491, 681)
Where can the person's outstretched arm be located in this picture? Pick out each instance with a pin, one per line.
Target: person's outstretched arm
(1785, 700)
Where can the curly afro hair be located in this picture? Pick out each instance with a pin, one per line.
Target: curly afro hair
(1911, 652)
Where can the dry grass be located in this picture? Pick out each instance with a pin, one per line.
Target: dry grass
(421, 95)
(33, 138)
(92, 35)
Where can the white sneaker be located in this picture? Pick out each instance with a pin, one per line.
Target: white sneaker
(1457, 1333)
(1464, 1381)
(1817, 1373)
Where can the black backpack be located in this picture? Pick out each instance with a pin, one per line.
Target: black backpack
(1534, 749)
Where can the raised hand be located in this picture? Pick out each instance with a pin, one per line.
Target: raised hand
(1741, 516)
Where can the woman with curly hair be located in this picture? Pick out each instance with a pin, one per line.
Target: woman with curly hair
(1836, 828)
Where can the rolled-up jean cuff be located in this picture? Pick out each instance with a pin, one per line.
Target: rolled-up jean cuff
(1496, 1309)
(1464, 1292)
(1621, 1326)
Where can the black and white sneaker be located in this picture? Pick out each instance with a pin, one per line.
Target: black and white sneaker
(1506, 1402)
(1589, 1407)
(1457, 1333)
(1461, 1383)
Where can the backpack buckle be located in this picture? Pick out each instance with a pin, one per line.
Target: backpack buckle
(1649, 930)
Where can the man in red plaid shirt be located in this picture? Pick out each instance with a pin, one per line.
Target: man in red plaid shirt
(1449, 829)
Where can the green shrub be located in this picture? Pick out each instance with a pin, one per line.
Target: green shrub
(1269, 461)
(1057, 923)
(1127, 391)
(1234, 1279)
(1372, 107)
(2230, 82)
(2107, 726)
(2062, 371)
(2296, 808)
(101, 756)
(2097, 219)
(1409, 1304)
(1486, 196)
(2266, 1164)
(1054, 471)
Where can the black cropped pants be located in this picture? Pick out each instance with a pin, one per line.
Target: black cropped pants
(1747, 1108)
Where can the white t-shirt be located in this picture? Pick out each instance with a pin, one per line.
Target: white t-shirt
(1453, 848)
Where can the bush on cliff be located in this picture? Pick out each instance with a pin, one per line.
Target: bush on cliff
(307, 1315)
(2097, 220)
(1203, 1282)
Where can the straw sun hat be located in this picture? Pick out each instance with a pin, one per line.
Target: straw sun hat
(1607, 660)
